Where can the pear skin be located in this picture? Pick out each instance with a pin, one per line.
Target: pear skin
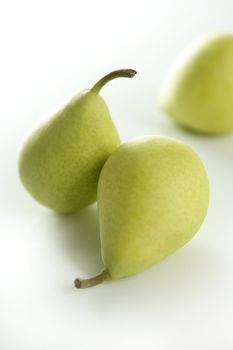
(61, 161)
(153, 196)
(198, 91)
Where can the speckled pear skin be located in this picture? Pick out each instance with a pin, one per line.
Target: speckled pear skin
(61, 161)
(198, 92)
(153, 196)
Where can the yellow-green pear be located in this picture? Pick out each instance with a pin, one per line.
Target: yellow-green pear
(153, 196)
(198, 91)
(61, 161)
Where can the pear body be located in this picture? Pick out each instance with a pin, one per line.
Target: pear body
(198, 92)
(152, 198)
(61, 161)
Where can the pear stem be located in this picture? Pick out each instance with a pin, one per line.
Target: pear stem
(93, 281)
(121, 73)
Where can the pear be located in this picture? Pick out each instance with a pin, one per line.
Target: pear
(153, 196)
(198, 91)
(61, 161)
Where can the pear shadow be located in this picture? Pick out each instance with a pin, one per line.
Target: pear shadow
(189, 130)
(78, 235)
(189, 273)
(200, 134)
(216, 145)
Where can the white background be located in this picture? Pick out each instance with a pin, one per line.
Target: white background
(49, 51)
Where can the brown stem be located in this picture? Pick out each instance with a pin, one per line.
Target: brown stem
(121, 73)
(93, 281)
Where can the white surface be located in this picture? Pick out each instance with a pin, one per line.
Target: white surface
(49, 51)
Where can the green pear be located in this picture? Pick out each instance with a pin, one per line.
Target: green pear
(61, 161)
(153, 196)
(198, 92)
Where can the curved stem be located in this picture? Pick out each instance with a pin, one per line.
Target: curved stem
(93, 281)
(121, 73)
